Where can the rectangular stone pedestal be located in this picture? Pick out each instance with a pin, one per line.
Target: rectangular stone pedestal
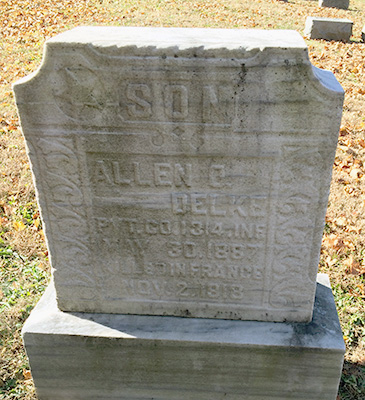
(83, 356)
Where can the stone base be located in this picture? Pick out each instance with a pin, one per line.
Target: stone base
(103, 356)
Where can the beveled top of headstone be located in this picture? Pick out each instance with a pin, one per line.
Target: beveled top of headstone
(182, 171)
(181, 38)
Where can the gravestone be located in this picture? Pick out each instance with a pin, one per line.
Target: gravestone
(182, 172)
(115, 357)
(328, 28)
(342, 4)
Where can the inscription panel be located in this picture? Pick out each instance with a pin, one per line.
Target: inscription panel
(177, 228)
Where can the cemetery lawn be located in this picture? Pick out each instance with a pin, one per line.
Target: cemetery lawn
(24, 264)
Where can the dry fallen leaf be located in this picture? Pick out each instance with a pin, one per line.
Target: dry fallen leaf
(27, 374)
(353, 266)
(19, 226)
(331, 261)
(341, 221)
(333, 242)
(356, 173)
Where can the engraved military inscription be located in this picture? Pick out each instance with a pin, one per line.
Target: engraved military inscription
(179, 227)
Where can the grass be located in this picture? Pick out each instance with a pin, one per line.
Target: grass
(24, 266)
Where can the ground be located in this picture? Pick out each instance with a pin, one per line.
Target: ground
(24, 268)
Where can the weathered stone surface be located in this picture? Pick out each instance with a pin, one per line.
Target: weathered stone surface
(104, 356)
(328, 28)
(344, 4)
(182, 171)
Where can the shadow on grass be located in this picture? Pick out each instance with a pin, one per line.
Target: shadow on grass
(352, 385)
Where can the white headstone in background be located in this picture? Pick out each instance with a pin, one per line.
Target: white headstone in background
(182, 171)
